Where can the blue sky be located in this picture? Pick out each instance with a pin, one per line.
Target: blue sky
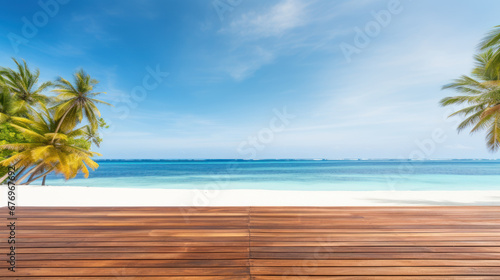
(233, 64)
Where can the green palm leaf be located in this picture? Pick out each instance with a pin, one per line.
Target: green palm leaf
(482, 97)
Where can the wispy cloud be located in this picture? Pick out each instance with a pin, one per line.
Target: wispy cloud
(92, 26)
(254, 34)
(242, 67)
(260, 36)
(278, 20)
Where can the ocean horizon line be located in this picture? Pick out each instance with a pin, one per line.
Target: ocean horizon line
(305, 159)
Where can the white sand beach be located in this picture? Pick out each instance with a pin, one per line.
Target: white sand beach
(95, 196)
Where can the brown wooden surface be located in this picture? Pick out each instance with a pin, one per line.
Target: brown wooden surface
(254, 243)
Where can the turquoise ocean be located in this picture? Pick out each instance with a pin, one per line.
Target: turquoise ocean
(342, 175)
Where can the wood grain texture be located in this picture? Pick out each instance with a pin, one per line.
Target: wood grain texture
(261, 243)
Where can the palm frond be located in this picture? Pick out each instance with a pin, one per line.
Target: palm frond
(491, 39)
(493, 135)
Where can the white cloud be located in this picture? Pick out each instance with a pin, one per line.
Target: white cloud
(257, 37)
(289, 28)
(280, 19)
(240, 69)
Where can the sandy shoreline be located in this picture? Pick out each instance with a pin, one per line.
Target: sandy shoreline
(95, 196)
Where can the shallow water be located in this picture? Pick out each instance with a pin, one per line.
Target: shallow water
(354, 175)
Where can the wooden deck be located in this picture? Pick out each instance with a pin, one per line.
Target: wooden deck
(255, 243)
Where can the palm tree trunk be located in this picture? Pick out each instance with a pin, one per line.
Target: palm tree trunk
(7, 175)
(21, 171)
(44, 175)
(4, 177)
(29, 173)
(60, 123)
(33, 175)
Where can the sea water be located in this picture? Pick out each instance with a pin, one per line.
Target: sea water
(341, 175)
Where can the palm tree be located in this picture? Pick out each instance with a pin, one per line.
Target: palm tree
(46, 140)
(22, 84)
(8, 108)
(492, 42)
(77, 101)
(67, 154)
(91, 135)
(9, 112)
(481, 94)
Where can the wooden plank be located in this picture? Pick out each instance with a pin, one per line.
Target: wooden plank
(120, 242)
(372, 262)
(374, 256)
(141, 249)
(129, 271)
(135, 263)
(382, 271)
(418, 243)
(256, 243)
(372, 249)
(120, 256)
